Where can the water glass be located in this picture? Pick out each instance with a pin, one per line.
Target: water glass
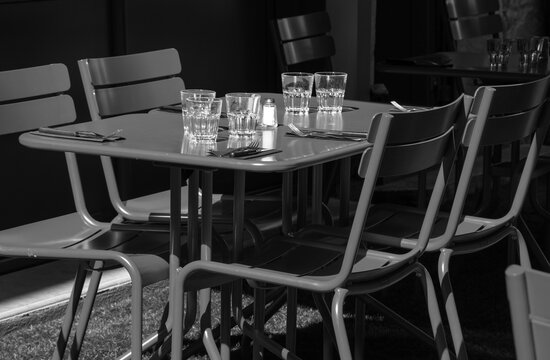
(522, 46)
(330, 88)
(493, 48)
(539, 49)
(243, 110)
(297, 88)
(195, 94)
(204, 117)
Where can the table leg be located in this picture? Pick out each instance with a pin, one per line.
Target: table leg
(175, 230)
(345, 172)
(287, 202)
(302, 195)
(317, 194)
(206, 245)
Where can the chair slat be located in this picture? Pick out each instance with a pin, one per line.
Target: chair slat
(460, 8)
(35, 81)
(138, 97)
(135, 67)
(476, 26)
(32, 114)
(302, 26)
(309, 49)
(510, 128)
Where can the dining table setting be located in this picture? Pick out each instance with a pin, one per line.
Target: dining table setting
(245, 132)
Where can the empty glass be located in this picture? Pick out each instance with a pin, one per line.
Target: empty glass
(330, 88)
(522, 46)
(297, 88)
(204, 117)
(196, 94)
(243, 110)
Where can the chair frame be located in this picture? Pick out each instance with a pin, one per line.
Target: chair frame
(35, 97)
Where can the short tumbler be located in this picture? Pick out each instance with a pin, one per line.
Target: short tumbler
(195, 94)
(243, 110)
(330, 88)
(297, 88)
(204, 117)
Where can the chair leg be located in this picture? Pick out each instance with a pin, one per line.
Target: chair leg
(433, 311)
(259, 321)
(339, 325)
(70, 312)
(225, 322)
(86, 311)
(291, 318)
(359, 347)
(450, 305)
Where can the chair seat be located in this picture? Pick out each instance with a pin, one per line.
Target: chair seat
(159, 203)
(59, 232)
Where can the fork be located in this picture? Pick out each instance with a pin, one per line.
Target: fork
(244, 150)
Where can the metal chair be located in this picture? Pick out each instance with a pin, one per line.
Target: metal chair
(517, 112)
(131, 84)
(528, 296)
(469, 18)
(301, 40)
(35, 97)
(400, 145)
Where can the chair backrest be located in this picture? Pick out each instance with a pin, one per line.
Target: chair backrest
(33, 97)
(406, 143)
(518, 112)
(131, 83)
(303, 39)
(473, 18)
(528, 296)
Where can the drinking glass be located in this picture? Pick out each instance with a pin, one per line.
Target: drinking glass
(204, 117)
(493, 48)
(330, 88)
(195, 94)
(504, 53)
(522, 46)
(242, 112)
(297, 88)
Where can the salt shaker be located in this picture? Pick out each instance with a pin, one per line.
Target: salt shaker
(269, 114)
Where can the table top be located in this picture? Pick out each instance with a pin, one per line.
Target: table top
(462, 64)
(157, 136)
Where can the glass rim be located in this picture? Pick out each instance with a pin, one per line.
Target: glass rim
(242, 94)
(296, 73)
(331, 73)
(200, 91)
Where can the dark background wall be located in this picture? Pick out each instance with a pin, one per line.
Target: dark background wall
(223, 45)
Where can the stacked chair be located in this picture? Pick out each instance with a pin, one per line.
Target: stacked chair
(35, 97)
(318, 260)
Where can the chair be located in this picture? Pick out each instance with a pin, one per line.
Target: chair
(529, 295)
(470, 19)
(35, 97)
(517, 112)
(400, 145)
(130, 84)
(303, 42)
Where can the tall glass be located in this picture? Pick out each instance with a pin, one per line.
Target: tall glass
(330, 88)
(195, 94)
(297, 88)
(204, 117)
(243, 110)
